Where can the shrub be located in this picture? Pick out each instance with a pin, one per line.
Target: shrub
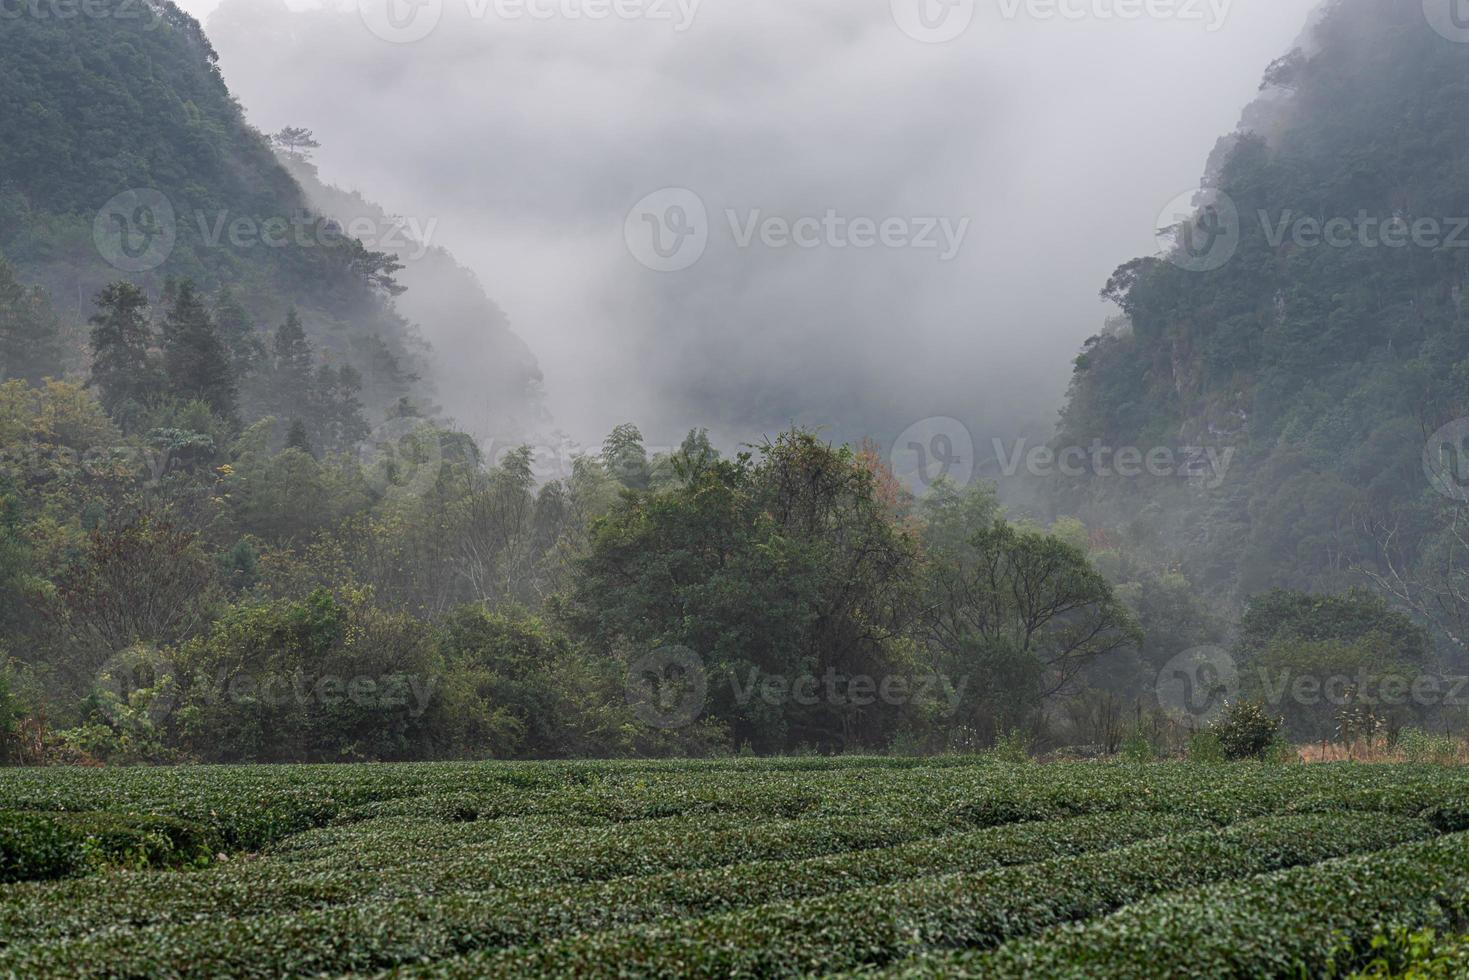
(1012, 748)
(1205, 748)
(1421, 747)
(1137, 747)
(1245, 730)
(33, 847)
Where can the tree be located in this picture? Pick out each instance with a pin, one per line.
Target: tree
(30, 337)
(787, 568)
(296, 438)
(195, 359)
(1356, 615)
(122, 339)
(294, 364)
(297, 142)
(341, 422)
(1030, 602)
(148, 581)
(625, 458)
(237, 330)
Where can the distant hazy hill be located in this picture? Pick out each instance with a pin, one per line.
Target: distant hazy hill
(123, 154)
(487, 378)
(1324, 365)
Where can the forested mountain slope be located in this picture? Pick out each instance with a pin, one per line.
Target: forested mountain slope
(124, 155)
(1322, 336)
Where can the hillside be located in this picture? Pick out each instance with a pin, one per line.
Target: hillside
(123, 154)
(1323, 343)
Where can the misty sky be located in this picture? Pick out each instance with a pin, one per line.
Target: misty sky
(1053, 144)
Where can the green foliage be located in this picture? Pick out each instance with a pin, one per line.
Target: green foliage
(1422, 747)
(34, 847)
(30, 337)
(1206, 748)
(195, 360)
(1245, 730)
(1323, 367)
(723, 866)
(1355, 616)
(1307, 921)
(123, 373)
(1421, 954)
(327, 678)
(787, 567)
(1013, 748)
(1138, 747)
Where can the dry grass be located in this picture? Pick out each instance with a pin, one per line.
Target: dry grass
(1379, 751)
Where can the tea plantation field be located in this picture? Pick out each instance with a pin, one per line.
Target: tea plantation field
(954, 867)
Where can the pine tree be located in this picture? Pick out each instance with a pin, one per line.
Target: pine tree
(30, 336)
(194, 357)
(237, 330)
(121, 339)
(296, 438)
(291, 386)
(343, 424)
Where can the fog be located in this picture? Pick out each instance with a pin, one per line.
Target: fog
(1047, 146)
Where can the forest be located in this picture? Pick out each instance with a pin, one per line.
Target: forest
(238, 523)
